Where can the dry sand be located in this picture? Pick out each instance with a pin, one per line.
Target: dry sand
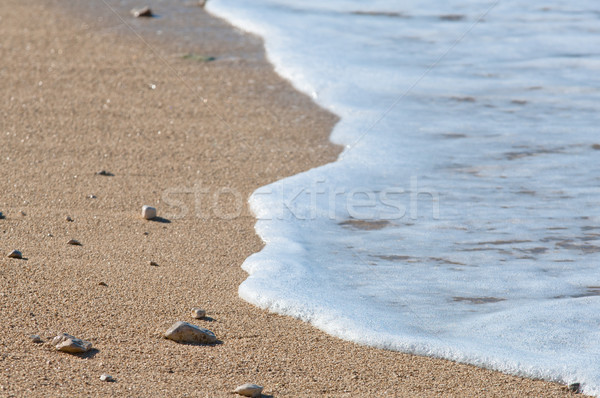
(77, 97)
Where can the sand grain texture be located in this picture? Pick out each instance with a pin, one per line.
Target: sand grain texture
(80, 95)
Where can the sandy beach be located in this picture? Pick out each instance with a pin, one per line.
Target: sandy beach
(193, 137)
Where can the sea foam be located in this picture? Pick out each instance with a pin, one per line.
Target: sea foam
(462, 219)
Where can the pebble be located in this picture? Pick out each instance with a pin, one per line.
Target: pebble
(69, 219)
(142, 12)
(183, 332)
(66, 343)
(198, 313)
(148, 212)
(15, 254)
(575, 387)
(249, 390)
(104, 173)
(23, 213)
(1, 215)
(36, 339)
(107, 378)
(154, 263)
(74, 242)
(92, 196)
(102, 284)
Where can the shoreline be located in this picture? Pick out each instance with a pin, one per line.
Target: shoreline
(80, 99)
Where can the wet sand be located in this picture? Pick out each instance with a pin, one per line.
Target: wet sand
(83, 94)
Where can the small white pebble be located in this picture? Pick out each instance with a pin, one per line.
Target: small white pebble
(249, 390)
(107, 378)
(198, 313)
(148, 212)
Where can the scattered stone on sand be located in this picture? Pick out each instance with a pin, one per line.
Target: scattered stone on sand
(1, 216)
(154, 263)
(198, 313)
(148, 212)
(183, 332)
(92, 196)
(66, 343)
(104, 173)
(102, 284)
(15, 254)
(36, 339)
(107, 378)
(74, 242)
(142, 12)
(574, 387)
(23, 213)
(518, 102)
(50, 235)
(69, 219)
(249, 390)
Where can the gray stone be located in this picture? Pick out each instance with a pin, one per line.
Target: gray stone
(107, 378)
(36, 339)
(66, 343)
(148, 212)
(575, 387)
(73, 242)
(249, 390)
(198, 313)
(104, 173)
(15, 254)
(142, 12)
(183, 332)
